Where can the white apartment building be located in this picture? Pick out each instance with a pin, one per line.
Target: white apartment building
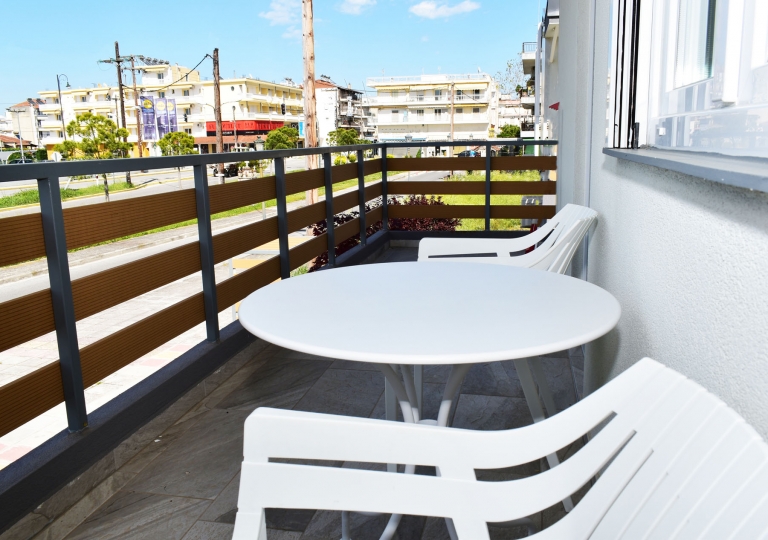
(512, 112)
(341, 107)
(24, 117)
(250, 108)
(422, 107)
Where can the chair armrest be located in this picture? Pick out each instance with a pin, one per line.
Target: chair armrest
(501, 247)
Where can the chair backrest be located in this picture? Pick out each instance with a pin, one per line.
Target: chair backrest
(672, 461)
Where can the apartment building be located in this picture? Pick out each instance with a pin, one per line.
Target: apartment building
(175, 98)
(25, 118)
(435, 107)
(512, 112)
(341, 107)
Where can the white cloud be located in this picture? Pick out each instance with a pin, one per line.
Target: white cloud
(292, 32)
(282, 12)
(430, 9)
(355, 7)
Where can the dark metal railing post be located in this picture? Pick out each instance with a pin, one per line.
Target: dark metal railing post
(488, 187)
(361, 195)
(282, 218)
(329, 228)
(63, 305)
(207, 262)
(384, 212)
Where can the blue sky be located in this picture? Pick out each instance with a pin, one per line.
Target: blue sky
(354, 39)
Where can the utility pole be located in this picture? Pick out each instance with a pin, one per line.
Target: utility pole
(118, 62)
(310, 131)
(453, 87)
(217, 109)
(136, 103)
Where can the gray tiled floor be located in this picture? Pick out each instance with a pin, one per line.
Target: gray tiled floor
(183, 484)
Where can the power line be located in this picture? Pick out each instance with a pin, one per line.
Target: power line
(185, 75)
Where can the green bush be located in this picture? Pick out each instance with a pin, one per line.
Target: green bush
(390, 156)
(351, 158)
(339, 160)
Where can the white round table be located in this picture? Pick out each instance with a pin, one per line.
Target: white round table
(399, 315)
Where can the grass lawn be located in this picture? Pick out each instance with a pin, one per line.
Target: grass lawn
(496, 224)
(31, 196)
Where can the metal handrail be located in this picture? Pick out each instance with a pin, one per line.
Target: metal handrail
(33, 171)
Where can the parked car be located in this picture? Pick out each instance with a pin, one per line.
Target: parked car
(468, 153)
(20, 160)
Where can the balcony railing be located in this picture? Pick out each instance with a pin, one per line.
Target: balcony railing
(54, 230)
(529, 47)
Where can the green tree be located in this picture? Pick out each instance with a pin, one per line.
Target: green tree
(343, 137)
(41, 154)
(509, 131)
(282, 138)
(512, 76)
(177, 143)
(97, 137)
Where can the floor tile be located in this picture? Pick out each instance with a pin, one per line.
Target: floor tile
(344, 391)
(135, 515)
(224, 507)
(492, 379)
(278, 383)
(205, 530)
(201, 462)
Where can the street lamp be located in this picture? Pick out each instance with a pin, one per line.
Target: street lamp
(234, 125)
(61, 105)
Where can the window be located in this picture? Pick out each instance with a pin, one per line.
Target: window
(58, 117)
(420, 96)
(689, 75)
(438, 95)
(476, 93)
(459, 95)
(438, 114)
(55, 100)
(695, 39)
(188, 131)
(83, 99)
(395, 115)
(161, 94)
(185, 93)
(420, 114)
(475, 110)
(160, 76)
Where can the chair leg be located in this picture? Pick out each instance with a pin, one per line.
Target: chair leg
(534, 405)
(544, 391)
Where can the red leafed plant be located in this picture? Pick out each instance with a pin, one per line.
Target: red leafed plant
(399, 224)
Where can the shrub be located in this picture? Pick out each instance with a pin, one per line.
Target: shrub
(390, 155)
(351, 158)
(400, 224)
(339, 160)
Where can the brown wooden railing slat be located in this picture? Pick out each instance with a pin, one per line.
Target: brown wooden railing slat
(21, 238)
(237, 194)
(522, 212)
(345, 201)
(436, 164)
(372, 191)
(25, 318)
(303, 217)
(399, 187)
(434, 211)
(371, 166)
(30, 396)
(339, 173)
(373, 216)
(89, 224)
(297, 182)
(523, 163)
(347, 230)
(308, 250)
(236, 241)
(97, 292)
(236, 288)
(104, 357)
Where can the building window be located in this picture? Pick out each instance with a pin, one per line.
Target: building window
(83, 99)
(161, 94)
(58, 117)
(185, 93)
(188, 131)
(695, 40)
(160, 76)
(55, 100)
(476, 93)
(459, 110)
(420, 114)
(395, 115)
(438, 95)
(438, 114)
(475, 110)
(689, 75)
(419, 96)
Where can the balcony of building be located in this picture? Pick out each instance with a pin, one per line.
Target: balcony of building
(234, 366)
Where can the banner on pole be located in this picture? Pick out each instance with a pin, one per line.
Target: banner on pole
(173, 122)
(161, 113)
(148, 118)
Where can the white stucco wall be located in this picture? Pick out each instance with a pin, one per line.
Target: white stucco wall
(686, 258)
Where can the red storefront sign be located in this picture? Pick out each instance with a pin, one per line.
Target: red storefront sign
(244, 127)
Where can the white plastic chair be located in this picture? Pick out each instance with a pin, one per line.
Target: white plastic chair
(556, 243)
(672, 461)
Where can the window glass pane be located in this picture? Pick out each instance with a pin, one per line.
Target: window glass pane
(695, 36)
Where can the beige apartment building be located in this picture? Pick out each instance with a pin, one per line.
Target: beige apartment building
(176, 98)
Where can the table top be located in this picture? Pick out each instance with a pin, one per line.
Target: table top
(422, 313)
